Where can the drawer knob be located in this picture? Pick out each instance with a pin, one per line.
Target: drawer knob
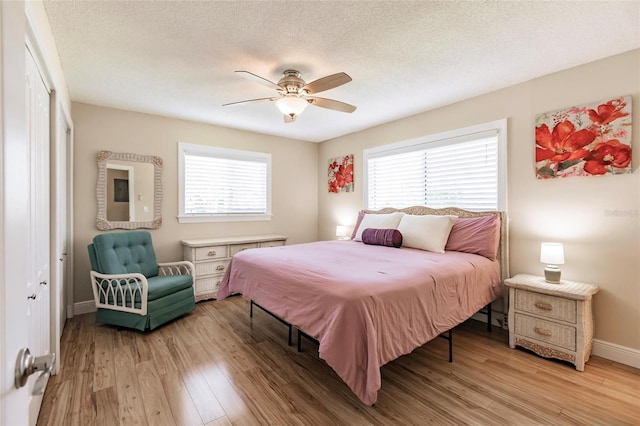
(211, 253)
(542, 331)
(544, 306)
(220, 268)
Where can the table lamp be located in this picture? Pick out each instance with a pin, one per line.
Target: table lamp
(341, 232)
(552, 254)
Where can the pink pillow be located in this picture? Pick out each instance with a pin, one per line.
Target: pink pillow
(382, 237)
(477, 235)
(355, 228)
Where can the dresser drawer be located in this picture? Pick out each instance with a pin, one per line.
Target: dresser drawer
(272, 244)
(208, 268)
(208, 284)
(560, 335)
(239, 247)
(546, 306)
(211, 252)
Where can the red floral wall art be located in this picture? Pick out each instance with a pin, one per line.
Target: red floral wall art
(341, 174)
(594, 139)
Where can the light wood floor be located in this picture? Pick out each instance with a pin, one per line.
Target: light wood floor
(216, 366)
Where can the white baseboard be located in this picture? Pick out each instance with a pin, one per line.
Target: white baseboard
(85, 307)
(617, 353)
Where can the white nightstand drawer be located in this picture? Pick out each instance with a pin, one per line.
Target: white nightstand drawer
(546, 306)
(239, 247)
(563, 336)
(209, 284)
(211, 252)
(272, 243)
(208, 268)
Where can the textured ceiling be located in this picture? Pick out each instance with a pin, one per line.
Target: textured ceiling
(178, 58)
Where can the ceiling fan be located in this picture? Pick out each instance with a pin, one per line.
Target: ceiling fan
(294, 93)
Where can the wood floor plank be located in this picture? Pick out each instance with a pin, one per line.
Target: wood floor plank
(106, 407)
(217, 367)
(205, 401)
(130, 403)
(55, 402)
(222, 421)
(103, 373)
(160, 354)
(82, 406)
(155, 401)
(182, 407)
(227, 395)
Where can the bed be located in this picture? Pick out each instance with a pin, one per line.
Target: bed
(365, 304)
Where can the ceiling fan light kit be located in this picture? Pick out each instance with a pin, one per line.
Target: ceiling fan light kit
(293, 93)
(291, 105)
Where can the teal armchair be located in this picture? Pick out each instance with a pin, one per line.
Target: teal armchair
(131, 289)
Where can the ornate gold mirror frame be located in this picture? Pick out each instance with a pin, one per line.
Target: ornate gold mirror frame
(101, 191)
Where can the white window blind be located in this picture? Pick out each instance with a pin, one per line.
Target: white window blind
(461, 171)
(224, 183)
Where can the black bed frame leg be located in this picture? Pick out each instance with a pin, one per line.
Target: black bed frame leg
(299, 341)
(450, 346)
(290, 333)
(489, 317)
(251, 309)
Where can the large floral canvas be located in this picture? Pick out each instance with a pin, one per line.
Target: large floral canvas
(588, 140)
(341, 174)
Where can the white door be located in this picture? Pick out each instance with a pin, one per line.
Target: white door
(38, 283)
(14, 209)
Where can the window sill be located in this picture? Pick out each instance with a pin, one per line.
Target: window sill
(225, 218)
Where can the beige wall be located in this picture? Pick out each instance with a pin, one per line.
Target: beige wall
(597, 218)
(294, 180)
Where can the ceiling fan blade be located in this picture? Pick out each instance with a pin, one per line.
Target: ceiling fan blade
(326, 83)
(258, 79)
(289, 118)
(250, 100)
(331, 104)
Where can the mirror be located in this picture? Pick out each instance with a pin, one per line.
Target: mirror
(129, 191)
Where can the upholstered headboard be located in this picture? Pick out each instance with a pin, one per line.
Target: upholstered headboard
(503, 248)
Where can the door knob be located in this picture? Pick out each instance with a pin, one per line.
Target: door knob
(32, 297)
(44, 282)
(27, 364)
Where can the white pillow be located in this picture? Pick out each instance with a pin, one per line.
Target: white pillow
(381, 221)
(426, 232)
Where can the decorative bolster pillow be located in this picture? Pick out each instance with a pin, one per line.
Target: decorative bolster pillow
(382, 237)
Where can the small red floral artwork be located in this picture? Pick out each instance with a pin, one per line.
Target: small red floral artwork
(589, 140)
(341, 174)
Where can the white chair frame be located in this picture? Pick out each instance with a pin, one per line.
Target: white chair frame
(122, 286)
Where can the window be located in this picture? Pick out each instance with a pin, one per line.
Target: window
(464, 168)
(218, 184)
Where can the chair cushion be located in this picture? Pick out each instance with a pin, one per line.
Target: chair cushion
(162, 285)
(125, 253)
(159, 287)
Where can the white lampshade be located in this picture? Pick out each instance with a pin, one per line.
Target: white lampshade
(341, 231)
(552, 253)
(291, 104)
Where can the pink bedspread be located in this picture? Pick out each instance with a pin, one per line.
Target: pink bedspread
(366, 305)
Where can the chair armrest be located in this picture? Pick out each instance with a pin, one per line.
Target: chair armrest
(178, 268)
(118, 292)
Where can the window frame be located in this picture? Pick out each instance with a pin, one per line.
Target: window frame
(226, 153)
(497, 127)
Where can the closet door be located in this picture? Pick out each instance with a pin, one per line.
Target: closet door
(37, 285)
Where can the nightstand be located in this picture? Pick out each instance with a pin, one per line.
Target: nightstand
(552, 320)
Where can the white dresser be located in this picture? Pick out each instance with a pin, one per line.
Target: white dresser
(552, 320)
(211, 257)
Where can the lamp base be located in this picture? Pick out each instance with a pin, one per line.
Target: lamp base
(552, 274)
